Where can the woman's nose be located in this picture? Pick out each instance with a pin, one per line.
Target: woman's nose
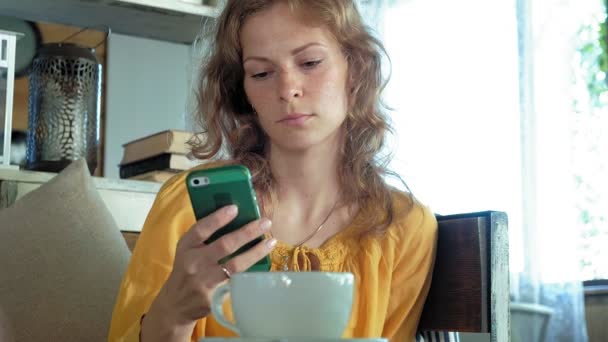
(290, 87)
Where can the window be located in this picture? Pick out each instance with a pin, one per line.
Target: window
(455, 90)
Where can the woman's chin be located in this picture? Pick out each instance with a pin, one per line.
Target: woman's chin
(295, 146)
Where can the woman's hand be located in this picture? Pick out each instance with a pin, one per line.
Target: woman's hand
(186, 295)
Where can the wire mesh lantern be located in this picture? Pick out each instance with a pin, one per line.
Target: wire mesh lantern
(64, 107)
(8, 43)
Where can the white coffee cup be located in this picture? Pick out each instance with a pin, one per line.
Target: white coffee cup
(287, 304)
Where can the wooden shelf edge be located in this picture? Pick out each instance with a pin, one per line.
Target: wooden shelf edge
(174, 21)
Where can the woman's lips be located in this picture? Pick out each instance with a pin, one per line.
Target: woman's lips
(295, 119)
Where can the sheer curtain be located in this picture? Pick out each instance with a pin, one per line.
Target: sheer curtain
(551, 276)
(480, 92)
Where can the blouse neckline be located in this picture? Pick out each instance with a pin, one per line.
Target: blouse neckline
(340, 236)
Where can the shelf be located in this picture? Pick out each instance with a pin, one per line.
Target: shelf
(26, 176)
(128, 201)
(169, 20)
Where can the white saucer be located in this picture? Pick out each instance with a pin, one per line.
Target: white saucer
(296, 339)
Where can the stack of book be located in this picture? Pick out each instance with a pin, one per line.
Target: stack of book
(157, 157)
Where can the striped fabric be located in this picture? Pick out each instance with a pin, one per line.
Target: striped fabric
(437, 336)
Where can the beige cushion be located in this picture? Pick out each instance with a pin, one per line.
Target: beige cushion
(61, 261)
(6, 334)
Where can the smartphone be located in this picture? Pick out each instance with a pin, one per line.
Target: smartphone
(214, 188)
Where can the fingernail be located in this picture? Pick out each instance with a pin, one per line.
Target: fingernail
(265, 224)
(271, 243)
(232, 209)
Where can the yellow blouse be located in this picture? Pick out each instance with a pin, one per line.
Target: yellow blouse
(392, 272)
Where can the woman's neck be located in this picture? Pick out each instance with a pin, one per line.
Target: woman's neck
(308, 183)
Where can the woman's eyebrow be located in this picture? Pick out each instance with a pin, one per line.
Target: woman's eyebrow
(293, 52)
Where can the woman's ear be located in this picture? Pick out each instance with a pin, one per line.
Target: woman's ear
(350, 90)
(350, 82)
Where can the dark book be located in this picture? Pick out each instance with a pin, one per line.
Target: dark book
(155, 176)
(161, 162)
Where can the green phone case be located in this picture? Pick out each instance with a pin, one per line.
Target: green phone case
(211, 189)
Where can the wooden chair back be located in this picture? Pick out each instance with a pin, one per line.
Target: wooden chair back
(470, 287)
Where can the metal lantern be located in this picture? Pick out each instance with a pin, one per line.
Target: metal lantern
(8, 43)
(64, 107)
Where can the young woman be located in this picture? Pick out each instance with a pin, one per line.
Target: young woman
(291, 90)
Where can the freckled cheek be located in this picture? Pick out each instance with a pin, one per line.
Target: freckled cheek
(258, 95)
(330, 92)
(261, 99)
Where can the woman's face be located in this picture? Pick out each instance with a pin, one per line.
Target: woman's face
(295, 78)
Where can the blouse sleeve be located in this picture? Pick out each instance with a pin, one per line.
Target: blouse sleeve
(152, 260)
(414, 247)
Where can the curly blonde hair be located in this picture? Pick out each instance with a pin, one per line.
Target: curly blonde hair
(230, 124)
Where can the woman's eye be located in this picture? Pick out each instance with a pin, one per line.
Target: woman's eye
(311, 64)
(260, 75)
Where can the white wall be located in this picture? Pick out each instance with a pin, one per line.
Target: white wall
(146, 92)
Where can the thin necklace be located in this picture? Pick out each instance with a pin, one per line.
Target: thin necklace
(286, 258)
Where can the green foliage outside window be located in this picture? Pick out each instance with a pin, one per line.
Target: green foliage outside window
(590, 145)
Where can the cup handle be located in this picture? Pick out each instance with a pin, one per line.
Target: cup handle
(217, 310)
